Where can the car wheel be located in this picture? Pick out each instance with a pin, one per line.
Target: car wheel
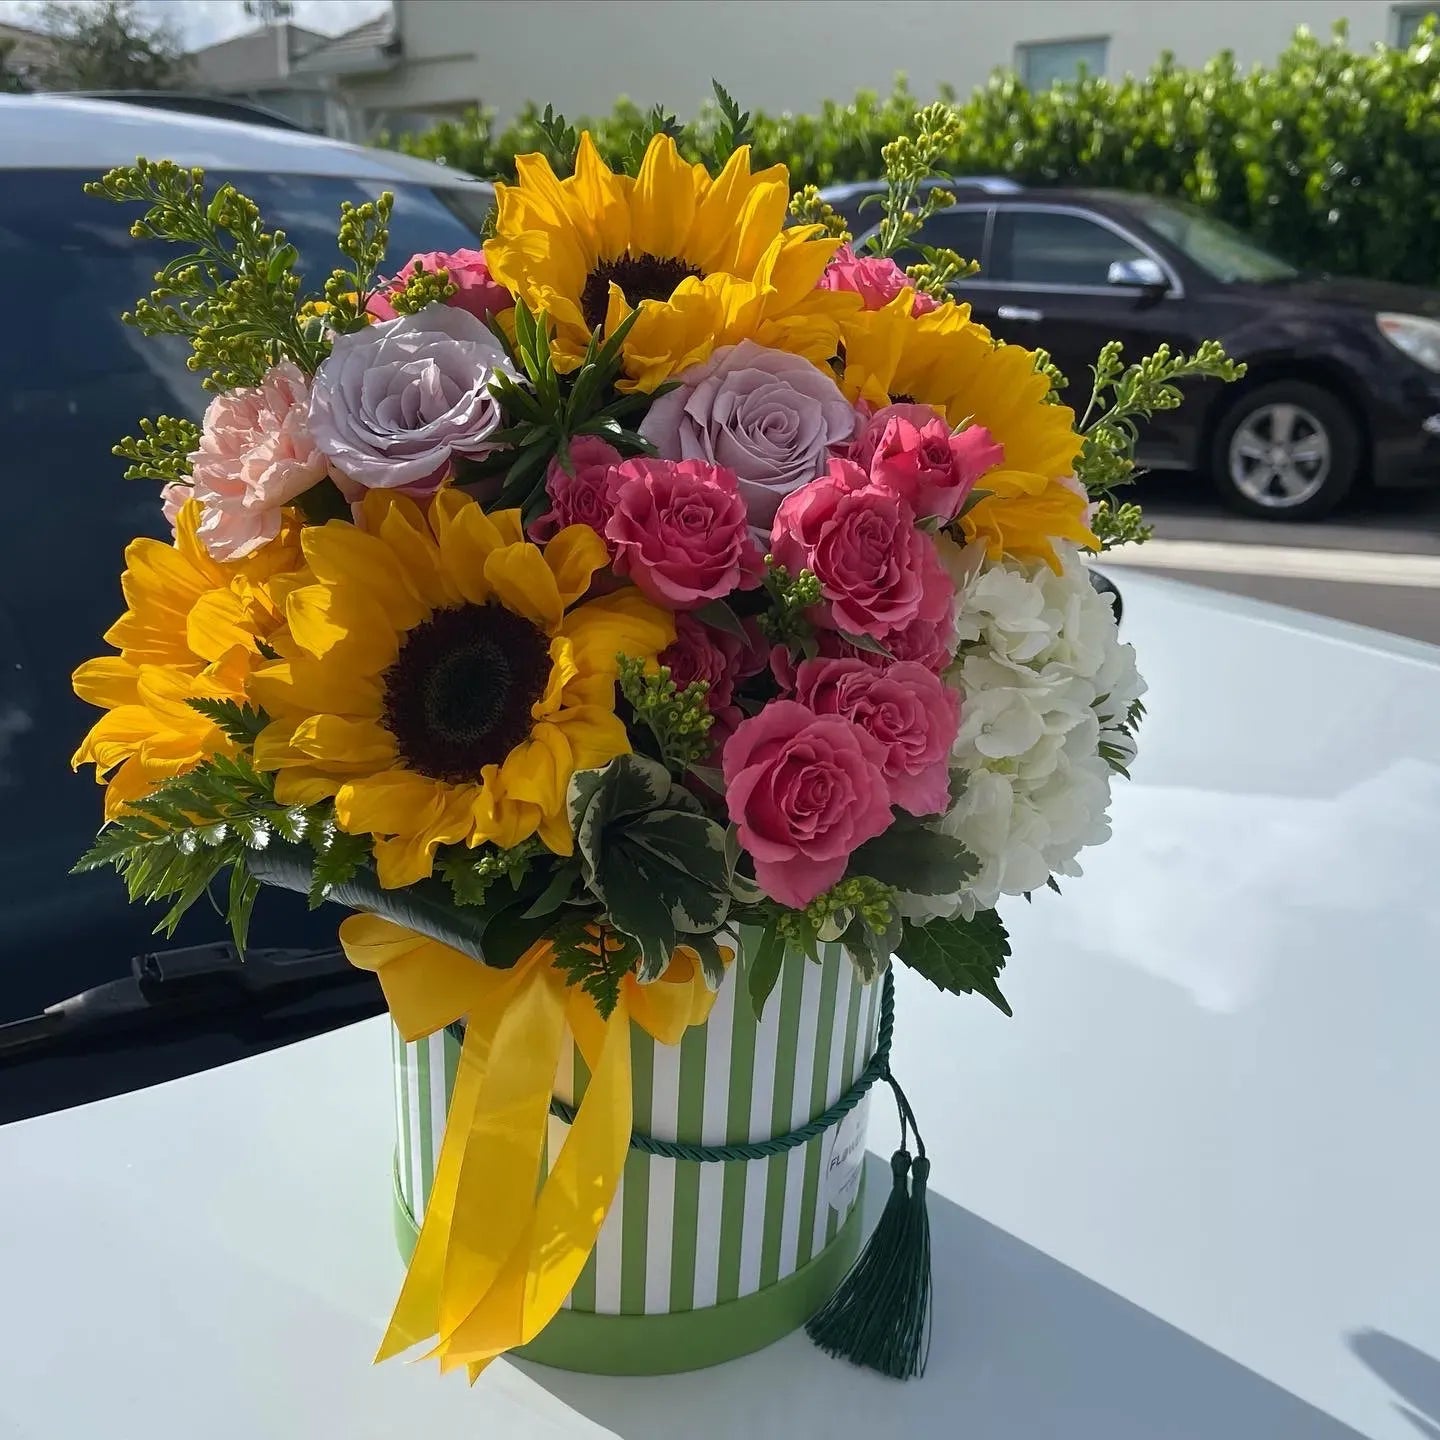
(1288, 450)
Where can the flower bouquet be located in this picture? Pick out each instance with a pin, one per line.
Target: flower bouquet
(651, 627)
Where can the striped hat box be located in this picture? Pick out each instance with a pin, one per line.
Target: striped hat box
(744, 1250)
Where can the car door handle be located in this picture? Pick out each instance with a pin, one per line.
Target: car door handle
(1019, 312)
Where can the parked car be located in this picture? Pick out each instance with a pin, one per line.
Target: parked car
(1344, 375)
(73, 380)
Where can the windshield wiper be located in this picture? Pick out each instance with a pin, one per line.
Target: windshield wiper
(165, 983)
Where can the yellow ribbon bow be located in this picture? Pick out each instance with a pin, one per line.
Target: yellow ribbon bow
(498, 1252)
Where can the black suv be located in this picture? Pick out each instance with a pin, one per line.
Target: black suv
(1344, 375)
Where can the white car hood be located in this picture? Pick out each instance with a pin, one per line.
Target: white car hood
(1188, 1191)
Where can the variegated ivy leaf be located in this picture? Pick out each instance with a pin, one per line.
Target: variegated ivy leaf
(628, 785)
(742, 886)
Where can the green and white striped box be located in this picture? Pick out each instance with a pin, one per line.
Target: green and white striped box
(698, 1261)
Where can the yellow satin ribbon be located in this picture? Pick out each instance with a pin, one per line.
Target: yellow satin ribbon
(498, 1252)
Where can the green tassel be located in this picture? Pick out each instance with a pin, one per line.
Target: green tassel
(879, 1317)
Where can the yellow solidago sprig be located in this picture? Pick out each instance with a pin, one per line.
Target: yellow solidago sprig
(423, 287)
(234, 293)
(363, 238)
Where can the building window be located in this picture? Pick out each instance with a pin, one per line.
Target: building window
(1405, 21)
(1044, 62)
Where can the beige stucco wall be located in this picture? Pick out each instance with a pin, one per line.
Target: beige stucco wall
(791, 54)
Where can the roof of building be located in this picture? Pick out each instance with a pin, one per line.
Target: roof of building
(66, 132)
(256, 58)
(371, 46)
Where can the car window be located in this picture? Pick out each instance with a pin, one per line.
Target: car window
(1055, 247)
(73, 380)
(1220, 250)
(962, 231)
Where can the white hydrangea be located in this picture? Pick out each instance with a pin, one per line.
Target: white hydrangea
(1045, 683)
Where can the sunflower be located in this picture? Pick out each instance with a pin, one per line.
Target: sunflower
(707, 261)
(442, 678)
(193, 630)
(945, 359)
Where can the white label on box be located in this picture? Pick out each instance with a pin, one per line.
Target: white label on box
(847, 1154)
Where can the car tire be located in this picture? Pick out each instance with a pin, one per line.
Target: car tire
(1287, 450)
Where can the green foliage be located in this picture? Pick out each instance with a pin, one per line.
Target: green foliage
(174, 843)
(648, 854)
(112, 45)
(809, 208)
(233, 293)
(1120, 398)
(731, 130)
(363, 238)
(552, 409)
(679, 719)
(596, 957)
(860, 911)
(237, 722)
(764, 953)
(423, 287)
(914, 859)
(471, 873)
(1328, 157)
(961, 956)
(908, 161)
(785, 621)
(162, 449)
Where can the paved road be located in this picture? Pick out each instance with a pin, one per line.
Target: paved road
(1376, 562)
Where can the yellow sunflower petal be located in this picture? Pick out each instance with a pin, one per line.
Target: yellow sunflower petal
(304, 787)
(538, 770)
(563, 672)
(662, 206)
(621, 623)
(283, 687)
(599, 193)
(415, 549)
(498, 818)
(107, 682)
(218, 622)
(338, 744)
(522, 582)
(394, 802)
(341, 554)
(574, 555)
(468, 537)
(595, 733)
(129, 782)
(114, 738)
(344, 623)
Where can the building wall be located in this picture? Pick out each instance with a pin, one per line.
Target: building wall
(792, 54)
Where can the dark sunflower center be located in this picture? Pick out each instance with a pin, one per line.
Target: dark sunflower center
(458, 696)
(640, 277)
(901, 398)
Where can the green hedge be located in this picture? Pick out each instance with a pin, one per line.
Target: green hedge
(1331, 156)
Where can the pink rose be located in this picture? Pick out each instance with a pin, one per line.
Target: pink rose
(577, 499)
(910, 451)
(804, 791)
(678, 530)
(907, 708)
(878, 573)
(922, 641)
(876, 279)
(256, 455)
(700, 653)
(478, 293)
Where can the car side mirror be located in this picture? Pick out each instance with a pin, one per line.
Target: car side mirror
(1141, 273)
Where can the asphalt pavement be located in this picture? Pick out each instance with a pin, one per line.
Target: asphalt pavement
(1375, 562)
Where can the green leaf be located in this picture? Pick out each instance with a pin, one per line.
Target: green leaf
(712, 963)
(719, 616)
(637, 908)
(764, 968)
(558, 891)
(867, 643)
(961, 956)
(915, 860)
(339, 859)
(627, 785)
(509, 933)
(240, 723)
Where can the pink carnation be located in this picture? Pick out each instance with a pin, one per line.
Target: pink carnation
(578, 498)
(480, 294)
(910, 451)
(878, 572)
(804, 791)
(678, 529)
(876, 279)
(907, 708)
(256, 455)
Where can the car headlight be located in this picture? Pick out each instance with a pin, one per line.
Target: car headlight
(1417, 337)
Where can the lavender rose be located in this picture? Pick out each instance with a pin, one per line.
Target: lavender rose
(394, 403)
(770, 417)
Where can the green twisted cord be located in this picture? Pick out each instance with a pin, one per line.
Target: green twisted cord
(877, 1069)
